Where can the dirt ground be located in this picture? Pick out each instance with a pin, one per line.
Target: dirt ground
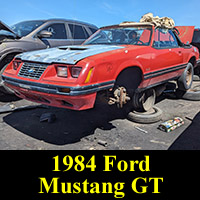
(100, 128)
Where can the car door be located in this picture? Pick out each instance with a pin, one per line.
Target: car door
(78, 33)
(59, 35)
(167, 56)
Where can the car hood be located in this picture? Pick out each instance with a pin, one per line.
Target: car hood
(7, 28)
(66, 54)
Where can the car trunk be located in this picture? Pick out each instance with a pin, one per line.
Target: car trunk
(185, 33)
(188, 34)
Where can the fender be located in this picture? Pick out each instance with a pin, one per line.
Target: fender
(194, 55)
(193, 60)
(10, 51)
(127, 64)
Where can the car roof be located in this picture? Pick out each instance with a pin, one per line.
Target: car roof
(65, 20)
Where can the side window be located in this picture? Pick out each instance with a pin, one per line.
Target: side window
(164, 38)
(58, 31)
(92, 29)
(78, 32)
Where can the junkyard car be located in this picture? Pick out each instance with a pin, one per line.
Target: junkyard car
(128, 62)
(40, 34)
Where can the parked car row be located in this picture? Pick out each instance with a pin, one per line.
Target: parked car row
(125, 63)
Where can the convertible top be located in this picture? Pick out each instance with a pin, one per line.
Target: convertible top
(128, 24)
(148, 20)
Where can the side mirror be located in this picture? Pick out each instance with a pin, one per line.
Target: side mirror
(44, 34)
(187, 44)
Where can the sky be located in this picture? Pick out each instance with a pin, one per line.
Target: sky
(100, 12)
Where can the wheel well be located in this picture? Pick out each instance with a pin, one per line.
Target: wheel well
(193, 61)
(130, 78)
(8, 59)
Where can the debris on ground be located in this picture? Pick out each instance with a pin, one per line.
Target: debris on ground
(170, 125)
(142, 130)
(9, 107)
(102, 142)
(189, 118)
(49, 117)
(159, 142)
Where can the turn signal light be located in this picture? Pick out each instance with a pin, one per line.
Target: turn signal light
(89, 75)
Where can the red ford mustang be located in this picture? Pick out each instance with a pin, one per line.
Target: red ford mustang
(126, 62)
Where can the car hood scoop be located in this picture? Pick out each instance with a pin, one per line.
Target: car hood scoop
(66, 54)
(72, 48)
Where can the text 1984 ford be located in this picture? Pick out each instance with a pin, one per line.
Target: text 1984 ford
(128, 62)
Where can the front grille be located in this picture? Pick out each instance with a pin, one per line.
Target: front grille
(32, 70)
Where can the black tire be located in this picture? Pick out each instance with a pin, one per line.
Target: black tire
(196, 78)
(192, 94)
(196, 73)
(186, 79)
(146, 117)
(145, 100)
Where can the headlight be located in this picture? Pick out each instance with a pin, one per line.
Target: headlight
(62, 71)
(75, 71)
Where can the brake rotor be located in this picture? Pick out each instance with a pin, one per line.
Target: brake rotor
(120, 97)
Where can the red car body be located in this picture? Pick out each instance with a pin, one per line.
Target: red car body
(89, 69)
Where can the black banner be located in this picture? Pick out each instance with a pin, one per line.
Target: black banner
(99, 174)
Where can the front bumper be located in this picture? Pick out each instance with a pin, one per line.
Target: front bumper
(76, 98)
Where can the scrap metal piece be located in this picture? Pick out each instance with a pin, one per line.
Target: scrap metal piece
(140, 129)
(102, 142)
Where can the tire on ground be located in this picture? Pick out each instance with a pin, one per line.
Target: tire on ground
(192, 94)
(145, 100)
(149, 117)
(196, 78)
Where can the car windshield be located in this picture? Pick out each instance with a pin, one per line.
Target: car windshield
(24, 28)
(122, 36)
